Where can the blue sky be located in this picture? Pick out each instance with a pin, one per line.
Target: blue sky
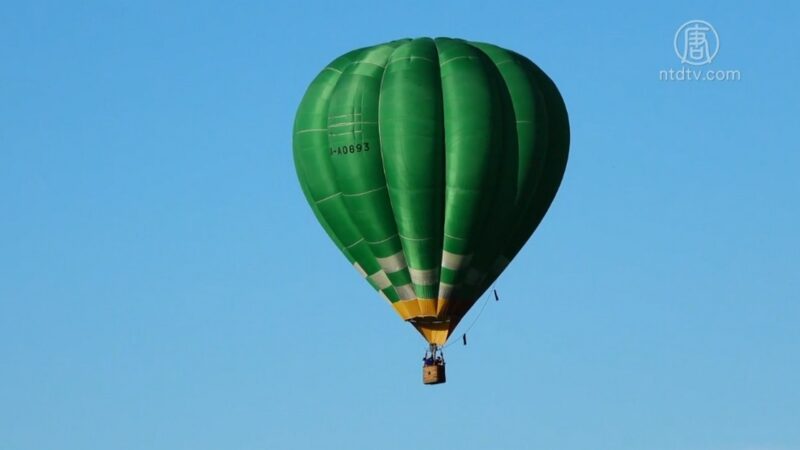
(163, 284)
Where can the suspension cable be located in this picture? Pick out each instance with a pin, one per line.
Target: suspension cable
(475, 320)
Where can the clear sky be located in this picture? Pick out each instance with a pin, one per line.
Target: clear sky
(163, 284)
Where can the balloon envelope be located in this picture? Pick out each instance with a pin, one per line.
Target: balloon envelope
(429, 163)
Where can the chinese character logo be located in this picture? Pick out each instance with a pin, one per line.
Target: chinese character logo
(696, 42)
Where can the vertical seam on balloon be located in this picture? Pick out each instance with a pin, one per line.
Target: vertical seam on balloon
(398, 213)
(484, 200)
(443, 174)
(383, 160)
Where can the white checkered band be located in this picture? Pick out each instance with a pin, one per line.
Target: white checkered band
(394, 263)
(445, 290)
(406, 292)
(380, 279)
(360, 270)
(454, 261)
(424, 277)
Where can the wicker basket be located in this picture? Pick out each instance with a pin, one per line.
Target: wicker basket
(433, 374)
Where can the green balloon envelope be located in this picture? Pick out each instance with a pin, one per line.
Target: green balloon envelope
(429, 163)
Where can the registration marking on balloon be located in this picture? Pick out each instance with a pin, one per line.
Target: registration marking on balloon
(350, 149)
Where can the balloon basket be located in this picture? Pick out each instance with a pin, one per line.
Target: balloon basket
(433, 374)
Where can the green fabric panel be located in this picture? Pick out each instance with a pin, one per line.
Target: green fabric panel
(427, 291)
(412, 145)
(399, 278)
(506, 153)
(449, 276)
(521, 172)
(391, 294)
(530, 121)
(555, 161)
(321, 218)
(313, 164)
(355, 154)
(548, 158)
(355, 149)
(472, 137)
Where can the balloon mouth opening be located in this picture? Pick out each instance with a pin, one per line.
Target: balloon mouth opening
(422, 308)
(433, 330)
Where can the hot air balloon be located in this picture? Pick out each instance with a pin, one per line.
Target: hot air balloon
(429, 163)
